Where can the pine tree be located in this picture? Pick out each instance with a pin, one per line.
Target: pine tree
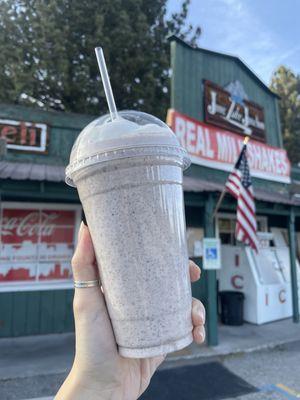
(287, 85)
(47, 52)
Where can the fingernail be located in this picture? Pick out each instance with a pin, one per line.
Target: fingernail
(80, 230)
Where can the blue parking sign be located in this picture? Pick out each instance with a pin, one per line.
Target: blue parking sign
(211, 253)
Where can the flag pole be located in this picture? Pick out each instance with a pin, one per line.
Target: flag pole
(219, 202)
(222, 195)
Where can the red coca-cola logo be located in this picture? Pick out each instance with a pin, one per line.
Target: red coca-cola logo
(51, 226)
(34, 223)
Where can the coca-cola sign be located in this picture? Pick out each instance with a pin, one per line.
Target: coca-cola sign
(24, 135)
(31, 225)
(20, 225)
(36, 244)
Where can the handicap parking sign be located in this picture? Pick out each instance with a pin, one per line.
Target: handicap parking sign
(211, 253)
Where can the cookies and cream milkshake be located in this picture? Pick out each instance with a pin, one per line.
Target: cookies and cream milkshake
(127, 167)
(128, 174)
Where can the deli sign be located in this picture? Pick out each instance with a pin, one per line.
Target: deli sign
(231, 109)
(24, 136)
(217, 148)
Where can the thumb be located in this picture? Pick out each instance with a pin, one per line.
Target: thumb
(93, 331)
(84, 261)
(85, 268)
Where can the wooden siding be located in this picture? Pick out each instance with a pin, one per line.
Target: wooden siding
(189, 68)
(47, 311)
(38, 312)
(63, 128)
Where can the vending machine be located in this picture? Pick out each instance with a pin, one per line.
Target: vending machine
(280, 239)
(263, 277)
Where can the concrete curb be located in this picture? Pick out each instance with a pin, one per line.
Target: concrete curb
(227, 353)
(53, 354)
(42, 398)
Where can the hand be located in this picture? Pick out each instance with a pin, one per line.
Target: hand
(98, 371)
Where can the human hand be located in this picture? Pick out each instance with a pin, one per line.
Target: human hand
(98, 371)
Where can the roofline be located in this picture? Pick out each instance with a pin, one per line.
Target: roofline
(50, 117)
(49, 111)
(230, 56)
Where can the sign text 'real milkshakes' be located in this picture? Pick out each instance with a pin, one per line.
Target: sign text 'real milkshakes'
(217, 148)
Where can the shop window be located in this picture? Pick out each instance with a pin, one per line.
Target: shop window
(194, 241)
(225, 227)
(36, 245)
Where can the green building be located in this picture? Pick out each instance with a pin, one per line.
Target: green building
(215, 101)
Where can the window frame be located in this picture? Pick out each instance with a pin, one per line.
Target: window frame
(232, 216)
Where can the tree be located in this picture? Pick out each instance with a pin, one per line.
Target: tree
(287, 85)
(47, 52)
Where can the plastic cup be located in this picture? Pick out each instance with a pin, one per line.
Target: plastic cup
(128, 173)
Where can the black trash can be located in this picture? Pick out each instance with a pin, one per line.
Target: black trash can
(232, 307)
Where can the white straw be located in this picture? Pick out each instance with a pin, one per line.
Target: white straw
(106, 83)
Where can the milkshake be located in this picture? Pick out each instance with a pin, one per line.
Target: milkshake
(128, 173)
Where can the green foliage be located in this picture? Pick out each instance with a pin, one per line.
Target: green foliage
(287, 85)
(47, 52)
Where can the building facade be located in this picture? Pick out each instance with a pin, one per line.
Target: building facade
(39, 219)
(215, 101)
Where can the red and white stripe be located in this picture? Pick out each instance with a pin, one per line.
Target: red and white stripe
(246, 225)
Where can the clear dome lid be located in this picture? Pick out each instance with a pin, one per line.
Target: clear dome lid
(104, 140)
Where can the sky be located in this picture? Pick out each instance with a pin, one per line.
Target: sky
(262, 33)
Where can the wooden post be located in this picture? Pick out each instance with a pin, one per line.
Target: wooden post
(211, 278)
(293, 266)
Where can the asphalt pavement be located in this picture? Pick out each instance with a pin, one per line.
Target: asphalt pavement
(276, 372)
(266, 357)
(273, 372)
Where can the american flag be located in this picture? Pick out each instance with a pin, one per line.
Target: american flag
(240, 186)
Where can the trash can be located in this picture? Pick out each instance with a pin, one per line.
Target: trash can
(232, 308)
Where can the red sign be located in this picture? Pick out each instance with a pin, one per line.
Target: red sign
(36, 244)
(217, 148)
(24, 136)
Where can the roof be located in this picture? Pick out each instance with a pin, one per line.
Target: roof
(53, 118)
(229, 56)
(31, 171)
(52, 173)
(197, 185)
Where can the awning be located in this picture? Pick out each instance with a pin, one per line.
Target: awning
(31, 171)
(197, 185)
(52, 173)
